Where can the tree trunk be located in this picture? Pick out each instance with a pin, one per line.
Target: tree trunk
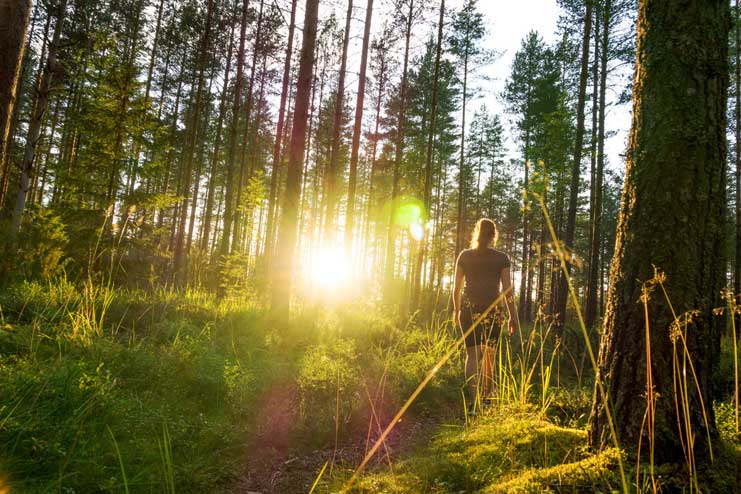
(563, 290)
(737, 268)
(522, 301)
(671, 219)
(147, 89)
(281, 292)
(205, 238)
(179, 249)
(273, 194)
(596, 238)
(357, 130)
(461, 227)
(244, 173)
(334, 153)
(34, 125)
(391, 238)
(226, 236)
(417, 282)
(14, 16)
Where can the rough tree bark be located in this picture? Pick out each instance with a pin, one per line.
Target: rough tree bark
(34, 126)
(737, 269)
(671, 217)
(14, 16)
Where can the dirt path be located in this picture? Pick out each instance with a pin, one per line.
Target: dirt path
(274, 466)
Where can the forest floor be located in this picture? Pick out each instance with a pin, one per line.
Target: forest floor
(109, 390)
(274, 467)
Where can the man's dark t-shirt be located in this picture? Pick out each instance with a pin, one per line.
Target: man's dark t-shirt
(483, 273)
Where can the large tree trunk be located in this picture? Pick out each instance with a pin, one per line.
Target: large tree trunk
(381, 86)
(14, 15)
(244, 172)
(284, 265)
(357, 128)
(34, 126)
(671, 219)
(524, 265)
(576, 165)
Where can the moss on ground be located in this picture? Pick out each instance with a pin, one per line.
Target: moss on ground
(502, 452)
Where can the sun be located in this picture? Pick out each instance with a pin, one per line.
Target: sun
(330, 269)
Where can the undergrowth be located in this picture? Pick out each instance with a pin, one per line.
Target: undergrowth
(115, 390)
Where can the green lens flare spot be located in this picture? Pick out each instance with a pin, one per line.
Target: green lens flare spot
(407, 213)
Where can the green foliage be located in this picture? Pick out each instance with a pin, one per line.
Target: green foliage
(329, 380)
(157, 365)
(232, 275)
(39, 253)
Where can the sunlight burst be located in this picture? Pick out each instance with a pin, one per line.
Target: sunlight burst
(330, 268)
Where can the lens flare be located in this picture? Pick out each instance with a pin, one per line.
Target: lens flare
(417, 231)
(408, 210)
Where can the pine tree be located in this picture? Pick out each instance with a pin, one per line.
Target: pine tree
(280, 302)
(670, 235)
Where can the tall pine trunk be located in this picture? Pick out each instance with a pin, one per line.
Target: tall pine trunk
(671, 219)
(391, 237)
(277, 144)
(281, 290)
(563, 291)
(595, 245)
(34, 125)
(14, 16)
(357, 129)
(417, 281)
(179, 250)
(337, 127)
(231, 190)
(737, 268)
(205, 237)
(244, 172)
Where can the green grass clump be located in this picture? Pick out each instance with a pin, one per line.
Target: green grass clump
(158, 399)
